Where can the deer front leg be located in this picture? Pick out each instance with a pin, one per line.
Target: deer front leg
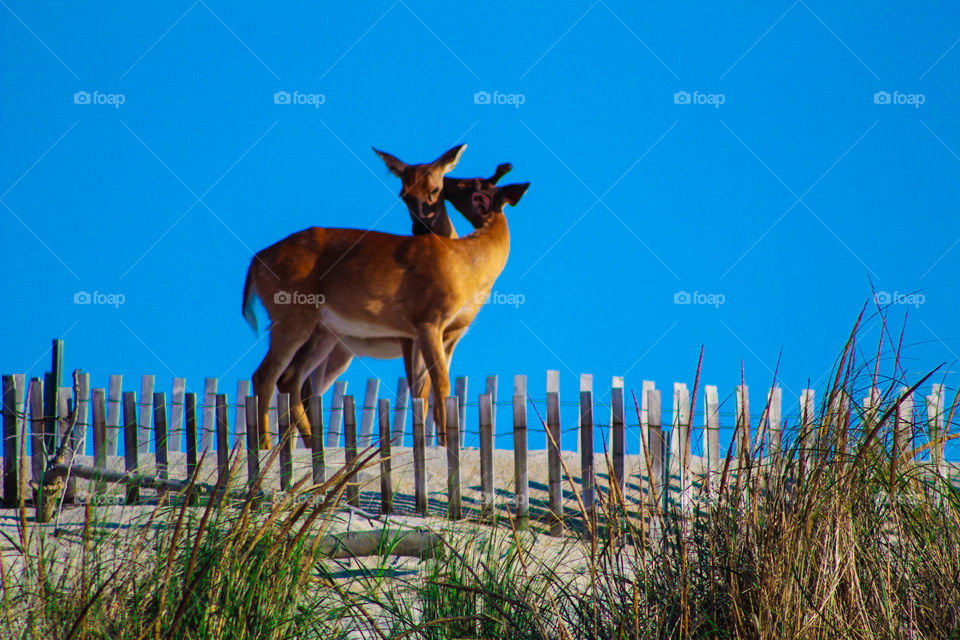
(430, 339)
(313, 353)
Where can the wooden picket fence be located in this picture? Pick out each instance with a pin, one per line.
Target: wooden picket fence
(667, 473)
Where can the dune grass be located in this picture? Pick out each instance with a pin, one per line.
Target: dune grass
(842, 535)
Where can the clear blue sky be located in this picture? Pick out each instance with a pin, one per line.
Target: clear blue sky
(785, 200)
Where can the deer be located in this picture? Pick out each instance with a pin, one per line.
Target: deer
(472, 197)
(457, 191)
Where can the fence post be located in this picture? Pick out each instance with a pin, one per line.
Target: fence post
(38, 458)
(176, 437)
(369, 413)
(350, 449)
(190, 425)
(485, 422)
(711, 435)
(240, 414)
(253, 440)
(81, 427)
(618, 437)
(285, 439)
(419, 457)
(160, 433)
(145, 415)
(774, 398)
(586, 384)
(11, 444)
(336, 413)
(315, 415)
(742, 434)
(461, 393)
(386, 482)
(554, 467)
(209, 414)
(681, 438)
(223, 447)
(99, 436)
(400, 412)
(586, 455)
(114, 407)
(658, 490)
(454, 501)
(522, 491)
(67, 438)
(130, 448)
(492, 392)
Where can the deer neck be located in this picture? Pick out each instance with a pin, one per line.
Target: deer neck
(489, 246)
(442, 226)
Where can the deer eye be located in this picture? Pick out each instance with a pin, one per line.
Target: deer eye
(435, 191)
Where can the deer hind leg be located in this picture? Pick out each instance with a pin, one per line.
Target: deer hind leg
(418, 378)
(313, 353)
(285, 339)
(430, 341)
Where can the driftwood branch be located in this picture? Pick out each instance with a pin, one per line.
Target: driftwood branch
(418, 544)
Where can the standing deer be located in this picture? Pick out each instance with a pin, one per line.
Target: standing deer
(424, 290)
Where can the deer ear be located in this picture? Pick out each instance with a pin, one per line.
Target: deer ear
(512, 193)
(450, 159)
(502, 170)
(395, 164)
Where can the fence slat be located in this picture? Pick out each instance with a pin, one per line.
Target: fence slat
(618, 437)
(253, 440)
(240, 415)
(114, 407)
(807, 417)
(742, 434)
(461, 393)
(285, 440)
(350, 449)
(400, 412)
(190, 426)
(711, 436)
(51, 401)
(935, 429)
(208, 424)
(522, 489)
(647, 386)
(315, 415)
(66, 438)
(492, 392)
(131, 463)
(554, 467)
(99, 436)
(11, 444)
(160, 445)
(586, 451)
(145, 415)
(386, 482)
(176, 414)
(586, 384)
(774, 399)
(454, 501)
(38, 458)
(430, 429)
(369, 414)
(223, 447)
(419, 457)
(658, 490)
(336, 413)
(485, 423)
(680, 452)
(82, 424)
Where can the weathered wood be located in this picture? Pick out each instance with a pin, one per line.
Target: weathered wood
(492, 392)
(485, 423)
(145, 415)
(160, 445)
(520, 473)
(658, 490)
(336, 413)
(285, 439)
(131, 463)
(903, 428)
(774, 425)
(38, 454)
(386, 481)
(454, 500)
(554, 468)
(253, 440)
(586, 384)
(935, 419)
(369, 414)
(240, 415)
(681, 436)
(430, 429)
(99, 436)
(647, 386)
(711, 436)
(618, 437)
(741, 436)
(586, 453)
(176, 437)
(419, 457)
(350, 449)
(807, 418)
(11, 444)
(315, 416)
(208, 424)
(356, 544)
(51, 399)
(190, 426)
(67, 440)
(114, 407)
(223, 446)
(82, 424)
(461, 393)
(400, 412)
